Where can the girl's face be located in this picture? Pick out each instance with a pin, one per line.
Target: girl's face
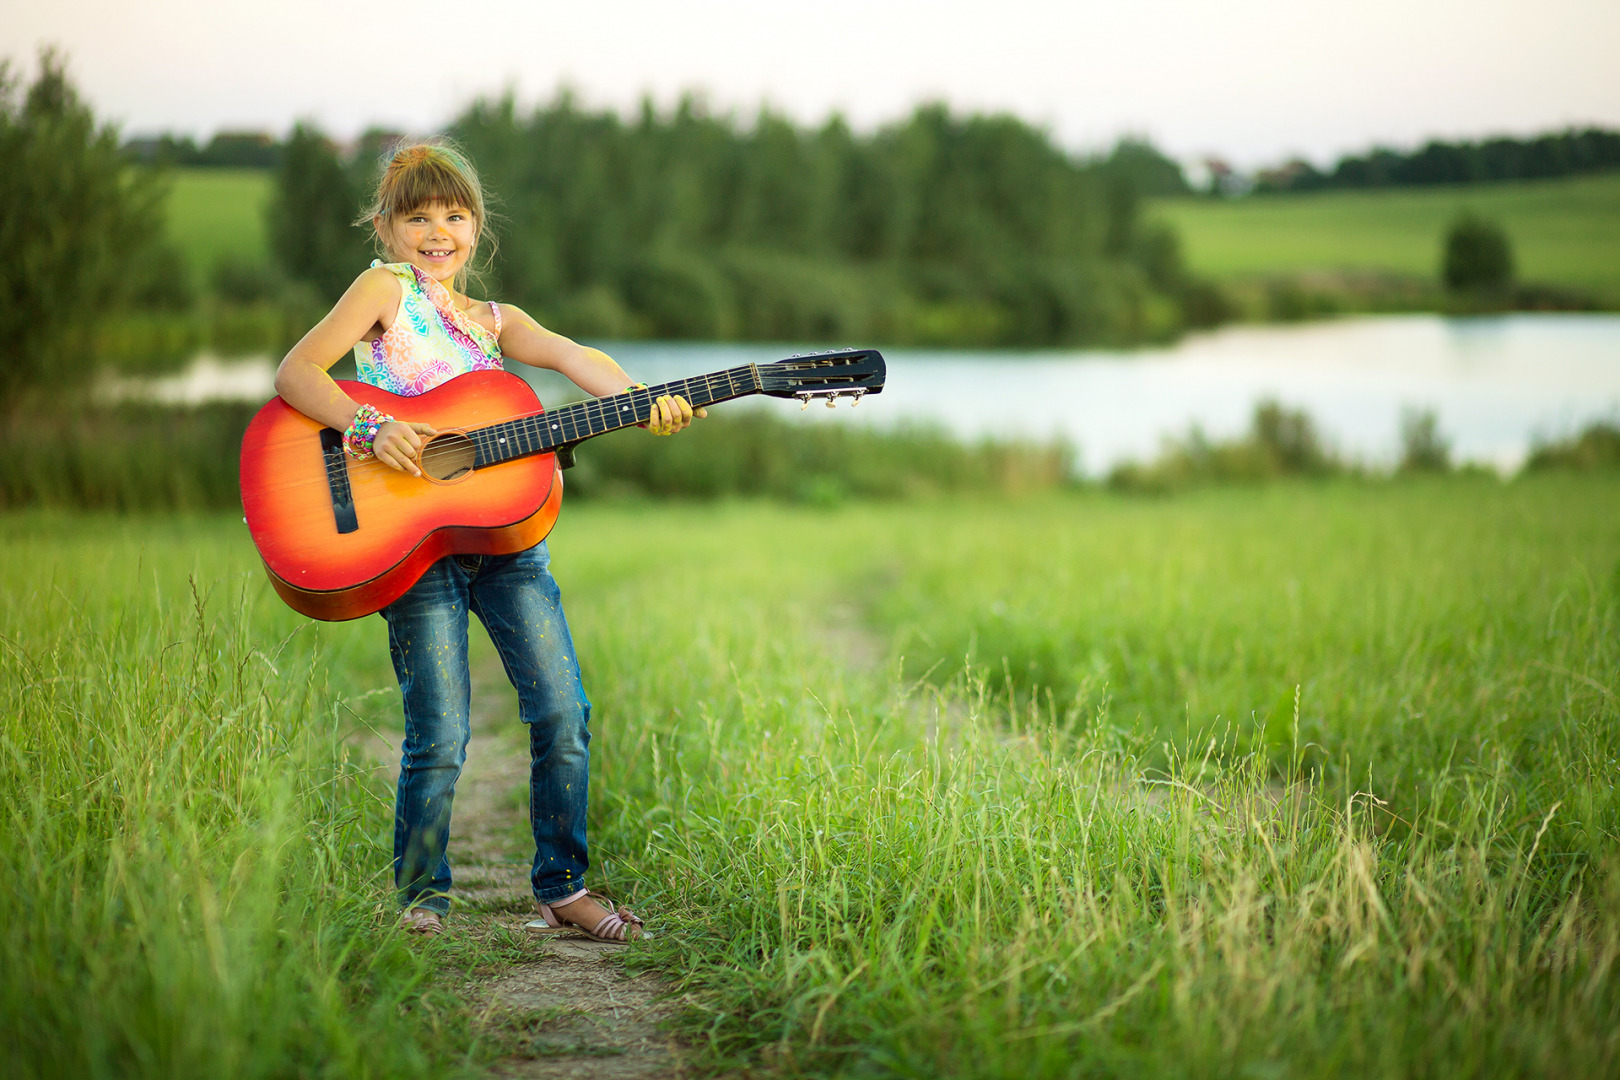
(438, 238)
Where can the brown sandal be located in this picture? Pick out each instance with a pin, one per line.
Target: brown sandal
(618, 926)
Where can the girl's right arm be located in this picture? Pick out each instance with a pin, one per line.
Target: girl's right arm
(302, 381)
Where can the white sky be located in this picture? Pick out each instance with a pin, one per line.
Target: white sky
(1250, 80)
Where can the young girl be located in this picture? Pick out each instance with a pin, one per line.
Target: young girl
(412, 327)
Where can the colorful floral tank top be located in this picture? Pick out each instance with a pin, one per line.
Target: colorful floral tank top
(430, 342)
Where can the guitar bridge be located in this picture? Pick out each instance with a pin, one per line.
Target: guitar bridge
(337, 480)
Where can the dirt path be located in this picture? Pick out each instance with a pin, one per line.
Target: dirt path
(568, 1008)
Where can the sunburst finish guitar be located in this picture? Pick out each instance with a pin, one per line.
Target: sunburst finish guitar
(341, 538)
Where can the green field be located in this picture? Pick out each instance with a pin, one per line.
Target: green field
(1564, 232)
(1290, 781)
(218, 213)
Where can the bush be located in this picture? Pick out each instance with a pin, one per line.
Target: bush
(244, 281)
(1597, 447)
(1477, 257)
(129, 457)
(678, 297)
(1281, 442)
(1423, 448)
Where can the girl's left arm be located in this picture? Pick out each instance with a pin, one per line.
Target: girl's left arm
(592, 370)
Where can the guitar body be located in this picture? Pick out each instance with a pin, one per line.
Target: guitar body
(334, 559)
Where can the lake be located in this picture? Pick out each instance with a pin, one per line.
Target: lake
(1497, 384)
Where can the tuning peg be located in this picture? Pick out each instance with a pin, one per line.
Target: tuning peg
(804, 402)
(832, 401)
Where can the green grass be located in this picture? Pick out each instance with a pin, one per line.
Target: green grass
(1307, 780)
(1564, 232)
(188, 861)
(217, 214)
(1171, 865)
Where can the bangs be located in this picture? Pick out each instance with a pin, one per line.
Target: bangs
(432, 182)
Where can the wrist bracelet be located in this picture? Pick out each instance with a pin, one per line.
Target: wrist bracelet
(362, 434)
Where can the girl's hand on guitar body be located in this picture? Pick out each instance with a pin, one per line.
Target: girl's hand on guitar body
(399, 444)
(672, 414)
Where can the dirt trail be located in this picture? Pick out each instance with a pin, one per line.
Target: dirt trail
(569, 1008)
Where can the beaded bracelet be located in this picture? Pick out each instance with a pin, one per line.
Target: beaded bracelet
(362, 433)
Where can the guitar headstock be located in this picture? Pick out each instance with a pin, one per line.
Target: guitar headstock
(825, 376)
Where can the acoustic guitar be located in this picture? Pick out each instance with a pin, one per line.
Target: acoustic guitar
(343, 538)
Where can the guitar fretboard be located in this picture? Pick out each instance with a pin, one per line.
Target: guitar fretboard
(544, 432)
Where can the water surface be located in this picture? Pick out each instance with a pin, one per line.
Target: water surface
(1496, 384)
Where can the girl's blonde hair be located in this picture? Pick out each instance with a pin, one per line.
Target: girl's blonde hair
(432, 172)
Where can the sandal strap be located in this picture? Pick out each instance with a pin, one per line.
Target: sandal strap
(614, 926)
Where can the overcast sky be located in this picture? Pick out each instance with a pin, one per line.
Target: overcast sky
(1251, 80)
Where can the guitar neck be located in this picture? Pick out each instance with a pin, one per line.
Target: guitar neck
(541, 433)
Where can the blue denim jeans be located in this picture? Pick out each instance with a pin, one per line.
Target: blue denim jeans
(517, 600)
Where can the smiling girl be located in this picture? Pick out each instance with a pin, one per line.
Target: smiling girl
(412, 326)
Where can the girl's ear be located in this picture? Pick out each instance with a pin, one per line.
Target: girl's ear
(382, 237)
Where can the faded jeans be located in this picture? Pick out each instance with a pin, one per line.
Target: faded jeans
(517, 600)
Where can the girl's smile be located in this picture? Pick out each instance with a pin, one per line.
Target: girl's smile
(437, 238)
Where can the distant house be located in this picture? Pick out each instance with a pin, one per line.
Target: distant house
(1296, 174)
(1216, 176)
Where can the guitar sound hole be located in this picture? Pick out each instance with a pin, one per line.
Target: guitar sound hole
(449, 457)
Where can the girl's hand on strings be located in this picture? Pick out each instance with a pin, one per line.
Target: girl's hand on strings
(672, 414)
(399, 444)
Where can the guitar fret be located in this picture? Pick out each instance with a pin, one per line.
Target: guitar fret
(569, 424)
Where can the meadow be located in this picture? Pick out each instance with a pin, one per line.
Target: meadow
(218, 214)
(1294, 780)
(1564, 232)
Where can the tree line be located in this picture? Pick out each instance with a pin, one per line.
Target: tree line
(943, 229)
(1554, 154)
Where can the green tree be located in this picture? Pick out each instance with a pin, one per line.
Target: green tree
(939, 228)
(81, 229)
(311, 215)
(1477, 257)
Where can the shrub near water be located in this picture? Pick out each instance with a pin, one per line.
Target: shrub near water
(144, 457)
(185, 859)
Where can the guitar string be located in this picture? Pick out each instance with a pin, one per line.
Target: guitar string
(592, 411)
